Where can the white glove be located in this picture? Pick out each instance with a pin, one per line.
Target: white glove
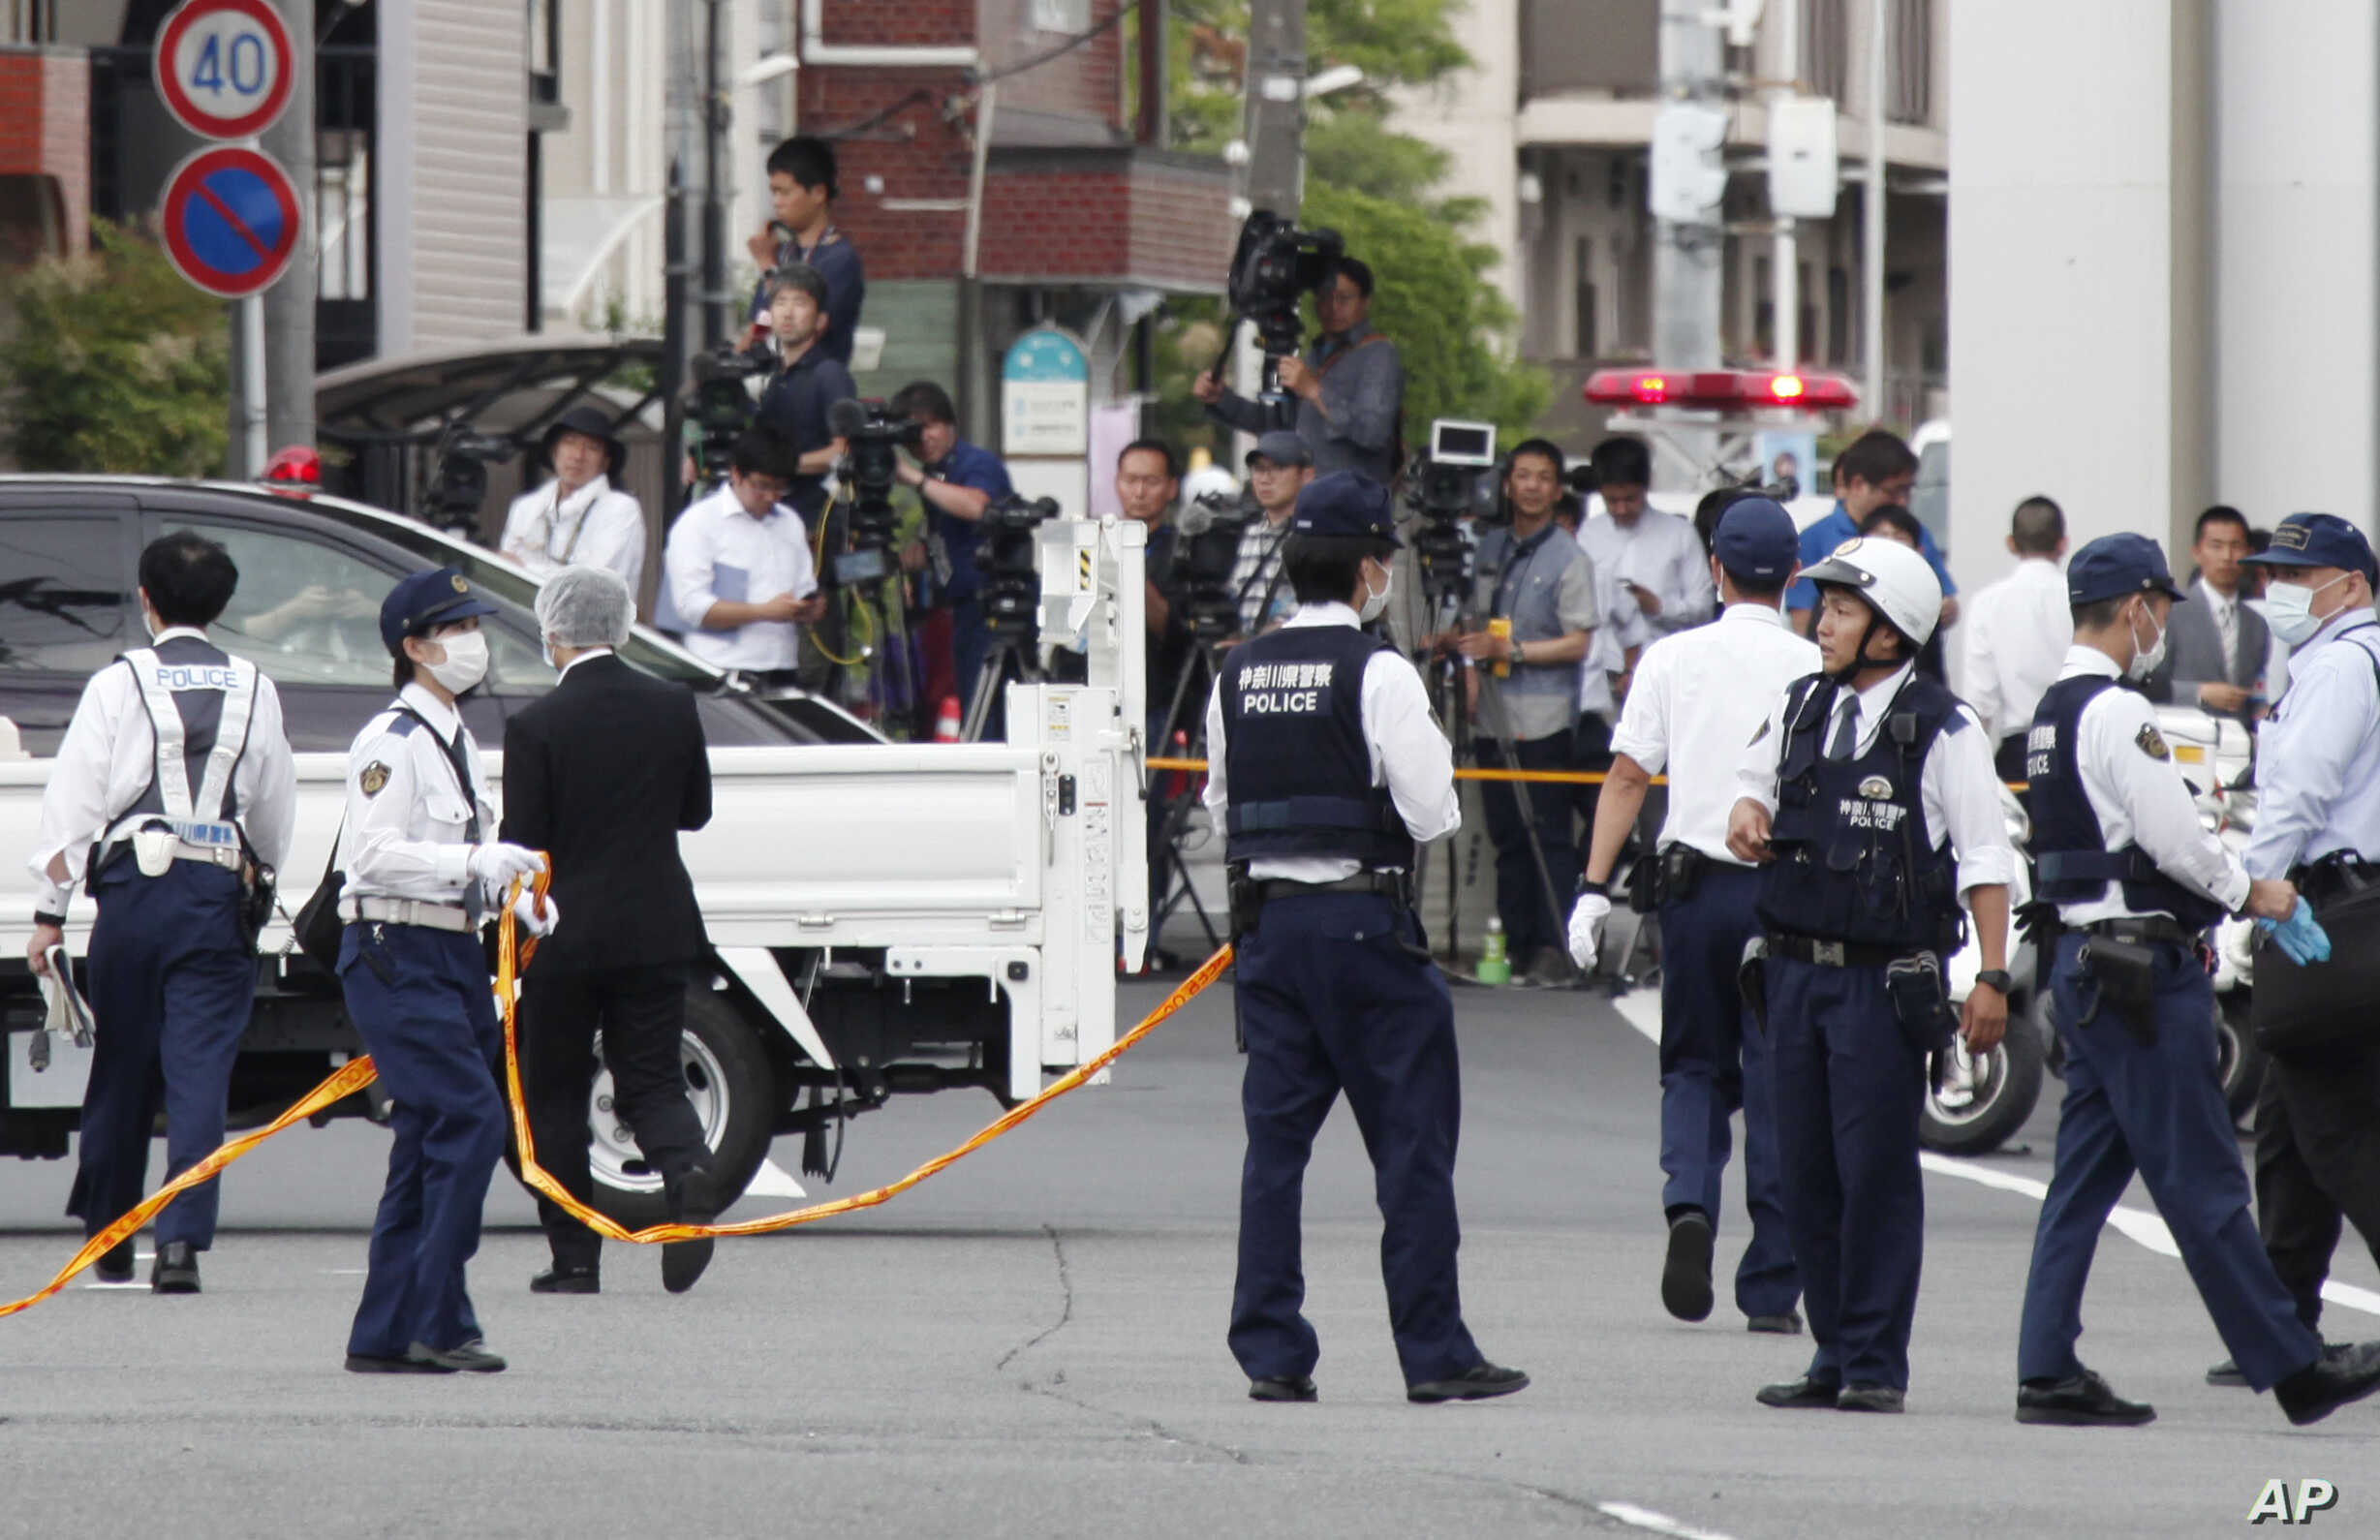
(524, 910)
(1587, 919)
(497, 865)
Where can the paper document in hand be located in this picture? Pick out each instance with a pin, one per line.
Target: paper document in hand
(70, 1014)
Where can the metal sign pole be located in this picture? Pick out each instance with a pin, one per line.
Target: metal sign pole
(252, 384)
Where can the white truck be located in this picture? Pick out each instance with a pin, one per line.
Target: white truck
(883, 917)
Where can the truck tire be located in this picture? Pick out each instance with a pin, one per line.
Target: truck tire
(734, 1094)
(2238, 1059)
(2007, 1085)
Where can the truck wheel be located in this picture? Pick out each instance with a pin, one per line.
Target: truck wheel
(733, 1092)
(2238, 1059)
(2006, 1084)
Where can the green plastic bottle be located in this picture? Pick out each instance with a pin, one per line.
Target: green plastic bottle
(1494, 967)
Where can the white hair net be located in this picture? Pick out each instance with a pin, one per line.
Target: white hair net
(585, 606)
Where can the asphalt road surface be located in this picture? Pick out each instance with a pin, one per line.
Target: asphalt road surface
(1032, 1345)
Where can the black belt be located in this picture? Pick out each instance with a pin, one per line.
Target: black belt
(2334, 877)
(1390, 884)
(2143, 929)
(1835, 954)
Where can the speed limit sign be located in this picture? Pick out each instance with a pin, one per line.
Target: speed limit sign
(223, 67)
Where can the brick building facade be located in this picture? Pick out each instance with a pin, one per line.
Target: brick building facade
(45, 152)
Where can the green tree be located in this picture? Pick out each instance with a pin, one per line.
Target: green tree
(114, 362)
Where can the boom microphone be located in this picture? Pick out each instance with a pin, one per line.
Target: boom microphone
(846, 417)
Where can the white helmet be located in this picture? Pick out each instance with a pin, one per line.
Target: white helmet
(1208, 479)
(1896, 581)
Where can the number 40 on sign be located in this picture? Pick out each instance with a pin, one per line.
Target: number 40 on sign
(223, 67)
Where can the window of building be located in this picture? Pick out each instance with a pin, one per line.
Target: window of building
(1838, 316)
(1909, 71)
(1583, 298)
(1062, 16)
(1825, 65)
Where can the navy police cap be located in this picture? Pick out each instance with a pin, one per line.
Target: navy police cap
(2113, 565)
(2319, 540)
(1756, 542)
(1345, 503)
(435, 598)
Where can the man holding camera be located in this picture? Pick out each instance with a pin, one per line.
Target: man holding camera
(738, 568)
(1348, 386)
(956, 480)
(807, 382)
(801, 198)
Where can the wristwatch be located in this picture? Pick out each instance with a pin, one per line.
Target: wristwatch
(1997, 978)
(1587, 886)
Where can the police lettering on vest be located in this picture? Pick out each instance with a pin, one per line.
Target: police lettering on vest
(1295, 755)
(2071, 845)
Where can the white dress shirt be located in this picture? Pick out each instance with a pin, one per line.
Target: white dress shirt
(1659, 552)
(594, 526)
(716, 551)
(2225, 608)
(2016, 635)
(108, 756)
(2140, 799)
(1698, 698)
(1958, 794)
(1410, 755)
(406, 832)
(1622, 628)
(2318, 754)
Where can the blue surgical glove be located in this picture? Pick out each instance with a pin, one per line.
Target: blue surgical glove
(2300, 935)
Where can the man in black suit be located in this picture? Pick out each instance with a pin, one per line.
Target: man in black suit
(601, 775)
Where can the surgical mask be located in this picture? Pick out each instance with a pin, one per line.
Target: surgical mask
(2289, 609)
(2145, 660)
(1373, 604)
(466, 661)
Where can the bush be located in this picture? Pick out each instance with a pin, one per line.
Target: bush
(114, 362)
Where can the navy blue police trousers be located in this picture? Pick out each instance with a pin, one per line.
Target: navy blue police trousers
(171, 982)
(2157, 1109)
(1715, 1060)
(1330, 1001)
(420, 998)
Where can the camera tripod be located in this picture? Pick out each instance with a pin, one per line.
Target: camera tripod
(1012, 660)
(1169, 878)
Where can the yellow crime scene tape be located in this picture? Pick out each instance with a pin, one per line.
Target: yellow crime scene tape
(358, 1074)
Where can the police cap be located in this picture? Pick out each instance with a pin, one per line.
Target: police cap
(1345, 503)
(2320, 539)
(1756, 542)
(2113, 565)
(439, 596)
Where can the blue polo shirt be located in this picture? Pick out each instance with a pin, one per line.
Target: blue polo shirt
(847, 288)
(794, 408)
(966, 465)
(1818, 542)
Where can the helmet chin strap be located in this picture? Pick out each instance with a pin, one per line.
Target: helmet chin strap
(1859, 657)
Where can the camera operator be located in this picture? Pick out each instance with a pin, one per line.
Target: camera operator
(738, 567)
(1349, 385)
(807, 380)
(1656, 559)
(956, 480)
(801, 195)
(1279, 467)
(578, 518)
(1148, 482)
(1534, 575)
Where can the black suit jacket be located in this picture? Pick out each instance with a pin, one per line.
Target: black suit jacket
(603, 774)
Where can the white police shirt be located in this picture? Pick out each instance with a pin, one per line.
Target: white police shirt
(2140, 798)
(1410, 755)
(110, 754)
(1698, 698)
(407, 829)
(1958, 792)
(595, 526)
(2318, 754)
(716, 551)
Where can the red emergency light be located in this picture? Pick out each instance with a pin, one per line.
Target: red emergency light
(295, 472)
(1720, 389)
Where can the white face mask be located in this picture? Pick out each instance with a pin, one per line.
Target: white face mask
(2289, 609)
(1373, 604)
(466, 661)
(2145, 660)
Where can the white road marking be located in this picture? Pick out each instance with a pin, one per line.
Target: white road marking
(1642, 1010)
(1636, 1517)
(773, 1181)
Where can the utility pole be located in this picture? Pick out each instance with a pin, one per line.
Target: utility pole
(289, 305)
(1872, 214)
(1784, 262)
(1274, 126)
(1688, 190)
(685, 135)
(717, 113)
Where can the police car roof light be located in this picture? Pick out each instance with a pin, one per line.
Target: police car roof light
(293, 471)
(1720, 390)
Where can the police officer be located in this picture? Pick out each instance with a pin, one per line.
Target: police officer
(1699, 697)
(1327, 773)
(172, 802)
(1870, 797)
(2136, 881)
(420, 875)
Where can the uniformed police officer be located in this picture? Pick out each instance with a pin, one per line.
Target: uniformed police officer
(1870, 799)
(2136, 881)
(172, 802)
(420, 875)
(1327, 773)
(1698, 698)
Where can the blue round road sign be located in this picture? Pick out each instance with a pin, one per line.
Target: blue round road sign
(231, 220)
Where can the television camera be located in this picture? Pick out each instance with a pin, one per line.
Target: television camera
(1207, 556)
(457, 486)
(1011, 596)
(871, 432)
(1454, 479)
(1273, 267)
(722, 404)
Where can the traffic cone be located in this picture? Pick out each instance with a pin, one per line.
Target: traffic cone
(946, 720)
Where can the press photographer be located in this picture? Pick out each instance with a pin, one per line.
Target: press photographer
(957, 481)
(805, 384)
(1279, 467)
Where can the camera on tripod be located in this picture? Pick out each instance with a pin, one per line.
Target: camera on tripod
(1453, 480)
(457, 486)
(1211, 528)
(870, 432)
(1011, 596)
(721, 406)
(1275, 264)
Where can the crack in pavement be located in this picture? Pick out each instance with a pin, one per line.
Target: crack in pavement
(1065, 1310)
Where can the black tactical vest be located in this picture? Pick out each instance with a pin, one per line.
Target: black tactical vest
(202, 713)
(2071, 848)
(1296, 766)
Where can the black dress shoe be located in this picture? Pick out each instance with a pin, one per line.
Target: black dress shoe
(692, 1200)
(2340, 1375)
(175, 1270)
(1800, 1395)
(1870, 1399)
(1476, 1383)
(2227, 1375)
(560, 1280)
(2082, 1401)
(116, 1264)
(1283, 1387)
(374, 1363)
(1788, 1324)
(471, 1357)
(1685, 1274)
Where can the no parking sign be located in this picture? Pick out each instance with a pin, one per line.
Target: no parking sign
(231, 220)
(223, 67)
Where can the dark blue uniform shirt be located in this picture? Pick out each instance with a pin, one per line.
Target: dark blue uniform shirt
(837, 260)
(793, 407)
(966, 465)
